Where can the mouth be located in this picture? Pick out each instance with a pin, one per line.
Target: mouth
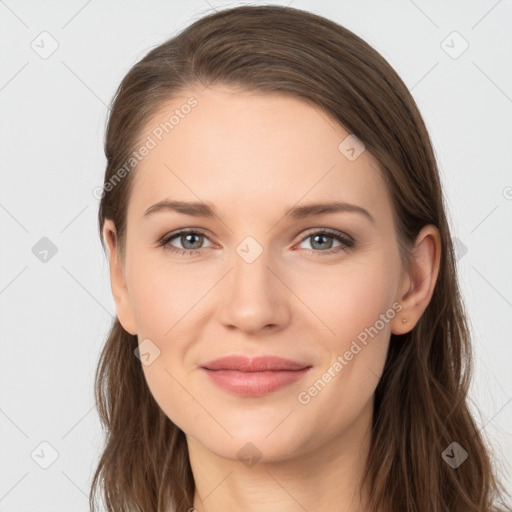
(252, 377)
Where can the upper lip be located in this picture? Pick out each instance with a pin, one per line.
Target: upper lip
(254, 364)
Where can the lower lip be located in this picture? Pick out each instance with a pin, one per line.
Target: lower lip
(254, 383)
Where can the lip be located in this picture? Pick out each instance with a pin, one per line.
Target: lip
(256, 376)
(254, 364)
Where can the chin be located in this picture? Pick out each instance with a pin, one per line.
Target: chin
(255, 439)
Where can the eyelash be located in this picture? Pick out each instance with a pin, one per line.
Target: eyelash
(347, 242)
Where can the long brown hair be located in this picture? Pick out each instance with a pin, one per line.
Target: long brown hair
(420, 403)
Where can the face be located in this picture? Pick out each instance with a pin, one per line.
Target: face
(258, 278)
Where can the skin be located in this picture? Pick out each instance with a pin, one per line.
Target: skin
(254, 155)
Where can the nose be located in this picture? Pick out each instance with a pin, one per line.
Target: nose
(254, 297)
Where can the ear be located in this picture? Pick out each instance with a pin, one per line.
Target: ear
(117, 279)
(418, 284)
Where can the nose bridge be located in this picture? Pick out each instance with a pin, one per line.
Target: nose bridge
(253, 295)
(250, 272)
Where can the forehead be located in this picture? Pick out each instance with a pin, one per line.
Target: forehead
(253, 152)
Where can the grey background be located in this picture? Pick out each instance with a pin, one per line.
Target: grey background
(55, 314)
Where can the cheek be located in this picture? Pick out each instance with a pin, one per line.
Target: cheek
(355, 355)
(355, 302)
(165, 302)
(349, 297)
(168, 386)
(363, 313)
(163, 294)
(164, 306)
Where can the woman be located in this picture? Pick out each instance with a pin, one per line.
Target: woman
(254, 369)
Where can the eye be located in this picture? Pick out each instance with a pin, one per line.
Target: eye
(320, 240)
(191, 240)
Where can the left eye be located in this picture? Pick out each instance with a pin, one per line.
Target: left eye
(318, 239)
(195, 238)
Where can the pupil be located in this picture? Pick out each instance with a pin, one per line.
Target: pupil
(320, 236)
(192, 235)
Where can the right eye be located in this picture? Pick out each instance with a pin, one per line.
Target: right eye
(186, 237)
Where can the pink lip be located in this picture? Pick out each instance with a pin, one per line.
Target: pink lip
(254, 376)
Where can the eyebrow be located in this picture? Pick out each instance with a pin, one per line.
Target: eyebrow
(202, 209)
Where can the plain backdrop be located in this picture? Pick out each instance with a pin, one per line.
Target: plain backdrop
(60, 64)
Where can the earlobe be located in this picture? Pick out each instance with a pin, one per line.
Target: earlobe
(118, 280)
(420, 283)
